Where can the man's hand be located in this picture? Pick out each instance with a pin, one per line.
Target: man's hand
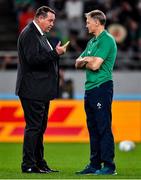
(93, 63)
(62, 49)
(80, 62)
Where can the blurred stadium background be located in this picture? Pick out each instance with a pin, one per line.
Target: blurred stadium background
(67, 117)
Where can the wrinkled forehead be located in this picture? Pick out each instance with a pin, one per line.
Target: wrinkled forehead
(90, 19)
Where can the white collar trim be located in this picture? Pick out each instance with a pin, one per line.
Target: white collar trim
(39, 29)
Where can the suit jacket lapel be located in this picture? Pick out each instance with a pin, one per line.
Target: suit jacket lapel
(44, 40)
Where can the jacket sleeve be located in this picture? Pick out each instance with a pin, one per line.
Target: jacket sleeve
(34, 52)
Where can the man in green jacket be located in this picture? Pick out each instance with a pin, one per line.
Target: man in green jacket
(98, 60)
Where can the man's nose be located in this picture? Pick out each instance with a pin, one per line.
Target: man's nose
(52, 23)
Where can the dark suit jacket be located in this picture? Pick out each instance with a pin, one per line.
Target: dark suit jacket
(37, 76)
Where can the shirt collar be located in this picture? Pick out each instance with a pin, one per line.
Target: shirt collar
(101, 34)
(38, 27)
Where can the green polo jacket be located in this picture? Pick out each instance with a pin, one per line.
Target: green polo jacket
(104, 46)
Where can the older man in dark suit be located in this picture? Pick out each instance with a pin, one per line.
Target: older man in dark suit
(37, 84)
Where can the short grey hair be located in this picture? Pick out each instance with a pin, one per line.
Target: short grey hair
(97, 14)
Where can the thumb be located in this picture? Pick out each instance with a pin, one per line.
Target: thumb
(66, 44)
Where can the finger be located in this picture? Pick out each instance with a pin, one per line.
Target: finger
(84, 58)
(59, 43)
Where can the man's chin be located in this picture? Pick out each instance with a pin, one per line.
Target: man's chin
(90, 32)
(47, 30)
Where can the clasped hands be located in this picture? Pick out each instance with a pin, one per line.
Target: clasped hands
(82, 61)
(62, 49)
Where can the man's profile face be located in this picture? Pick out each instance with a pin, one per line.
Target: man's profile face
(46, 23)
(92, 24)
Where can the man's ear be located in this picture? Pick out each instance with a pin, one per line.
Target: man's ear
(96, 22)
(41, 18)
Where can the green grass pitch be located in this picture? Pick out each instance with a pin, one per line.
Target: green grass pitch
(68, 158)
